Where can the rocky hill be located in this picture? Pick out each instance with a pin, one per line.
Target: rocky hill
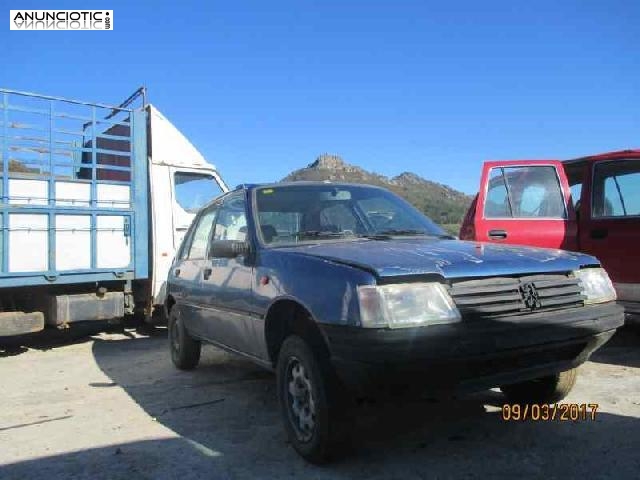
(441, 203)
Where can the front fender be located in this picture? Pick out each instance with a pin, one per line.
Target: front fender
(328, 290)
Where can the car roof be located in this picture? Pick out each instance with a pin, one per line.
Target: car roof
(253, 186)
(310, 183)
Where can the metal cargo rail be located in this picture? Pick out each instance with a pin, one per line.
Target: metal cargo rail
(74, 186)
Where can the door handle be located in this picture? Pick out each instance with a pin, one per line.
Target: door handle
(599, 233)
(206, 273)
(498, 234)
(176, 272)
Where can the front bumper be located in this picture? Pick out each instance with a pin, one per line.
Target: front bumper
(471, 355)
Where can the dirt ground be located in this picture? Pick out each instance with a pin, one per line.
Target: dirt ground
(111, 406)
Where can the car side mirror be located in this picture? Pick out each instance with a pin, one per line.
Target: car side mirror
(228, 248)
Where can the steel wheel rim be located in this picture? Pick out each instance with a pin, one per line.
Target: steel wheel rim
(301, 405)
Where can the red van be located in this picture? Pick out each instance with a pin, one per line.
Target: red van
(590, 204)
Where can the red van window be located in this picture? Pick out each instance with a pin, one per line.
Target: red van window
(524, 192)
(616, 189)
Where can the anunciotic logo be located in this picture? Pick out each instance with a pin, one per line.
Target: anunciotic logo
(61, 19)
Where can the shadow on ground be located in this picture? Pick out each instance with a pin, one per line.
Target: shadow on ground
(51, 338)
(226, 415)
(622, 349)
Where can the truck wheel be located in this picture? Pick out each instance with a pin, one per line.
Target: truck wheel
(310, 401)
(549, 389)
(185, 350)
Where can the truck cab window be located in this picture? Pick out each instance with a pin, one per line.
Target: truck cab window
(194, 190)
(616, 189)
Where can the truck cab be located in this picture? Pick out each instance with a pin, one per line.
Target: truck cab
(589, 204)
(181, 181)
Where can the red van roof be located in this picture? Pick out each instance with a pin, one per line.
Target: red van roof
(631, 153)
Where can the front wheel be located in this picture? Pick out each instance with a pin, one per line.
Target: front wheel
(185, 350)
(549, 389)
(309, 401)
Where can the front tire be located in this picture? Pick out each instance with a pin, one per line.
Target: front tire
(549, 389)
(310, 405)
(185, 350)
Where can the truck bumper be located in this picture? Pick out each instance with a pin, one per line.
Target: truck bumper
(20, 323)
(472, 355)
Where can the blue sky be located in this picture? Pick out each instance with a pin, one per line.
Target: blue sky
(262, 88)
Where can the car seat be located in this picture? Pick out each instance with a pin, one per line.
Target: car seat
(269, 232)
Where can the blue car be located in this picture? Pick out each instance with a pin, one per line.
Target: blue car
(347, 290)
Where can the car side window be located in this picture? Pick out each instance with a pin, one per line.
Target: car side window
(524, 192)
(616, 189)
(200, 238)
(231, 223)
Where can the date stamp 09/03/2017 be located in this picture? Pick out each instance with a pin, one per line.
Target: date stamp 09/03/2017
(563, 412)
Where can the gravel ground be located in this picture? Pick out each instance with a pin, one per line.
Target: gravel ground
(112, 406)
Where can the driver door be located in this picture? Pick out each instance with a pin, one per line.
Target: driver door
(227, 283)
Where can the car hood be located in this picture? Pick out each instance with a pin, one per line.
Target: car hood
(448, 258)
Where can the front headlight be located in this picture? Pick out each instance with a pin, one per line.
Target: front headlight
(406, 305)
(596, 285)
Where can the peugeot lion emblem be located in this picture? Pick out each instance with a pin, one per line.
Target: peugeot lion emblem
(530, 296)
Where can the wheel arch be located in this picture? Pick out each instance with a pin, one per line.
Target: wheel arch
(169, 304)
(288, 316)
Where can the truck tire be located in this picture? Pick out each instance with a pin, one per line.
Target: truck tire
(549, 389)
(311, 402)
(185, 350)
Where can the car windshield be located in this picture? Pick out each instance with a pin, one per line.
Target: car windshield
(292, 214)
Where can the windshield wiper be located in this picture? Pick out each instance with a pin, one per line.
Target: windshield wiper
(400, 232)
(319, 233)
(396, 232)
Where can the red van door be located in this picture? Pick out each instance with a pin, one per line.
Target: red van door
(524, 202)
(610, 220)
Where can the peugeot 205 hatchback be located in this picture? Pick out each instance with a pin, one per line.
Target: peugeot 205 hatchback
(344, 290)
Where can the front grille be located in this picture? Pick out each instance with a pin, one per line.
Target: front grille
(491, 297)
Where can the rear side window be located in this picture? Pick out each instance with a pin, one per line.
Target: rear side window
(524, 192)
(616, 189)
(200, 238)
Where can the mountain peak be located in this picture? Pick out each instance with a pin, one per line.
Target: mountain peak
(441, 202)
(328, 161)
(408, 178)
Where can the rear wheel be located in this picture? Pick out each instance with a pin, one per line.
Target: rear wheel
(311, 401)
(185, 350)
(549, 389)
